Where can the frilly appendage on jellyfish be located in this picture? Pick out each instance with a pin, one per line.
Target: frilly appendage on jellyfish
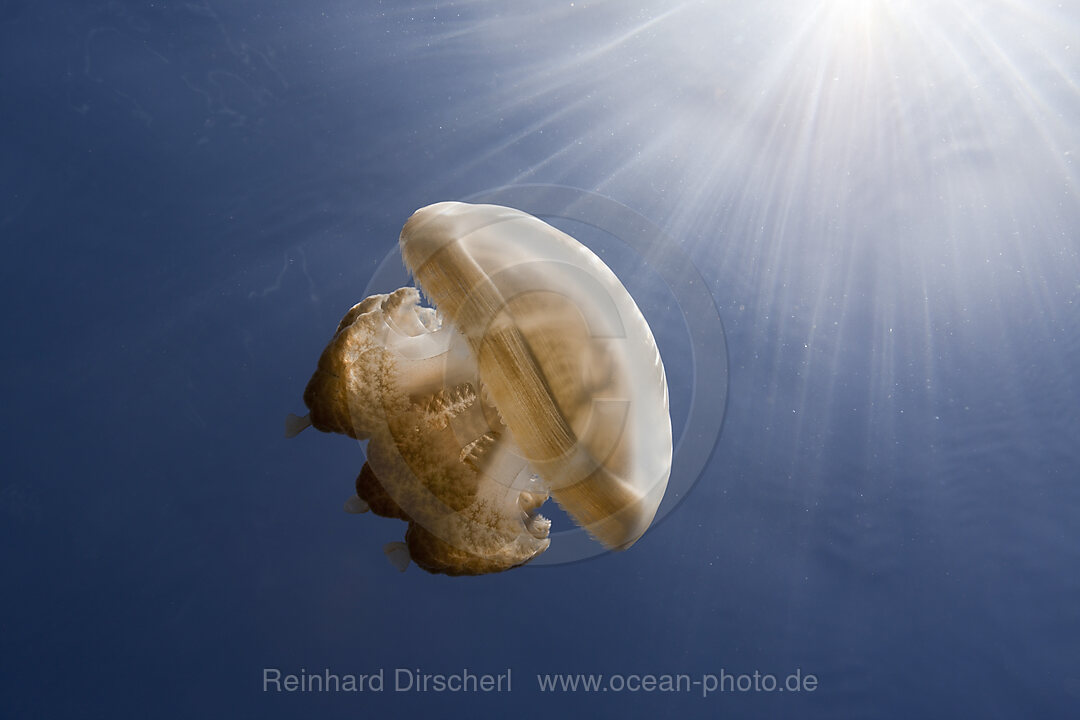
(535, 375)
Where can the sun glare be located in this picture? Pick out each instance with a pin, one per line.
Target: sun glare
(802, 142)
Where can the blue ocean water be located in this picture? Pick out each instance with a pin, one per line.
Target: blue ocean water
(880, 197)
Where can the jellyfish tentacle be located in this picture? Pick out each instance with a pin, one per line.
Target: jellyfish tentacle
(296, 424)
(398, 555)
(356, 505)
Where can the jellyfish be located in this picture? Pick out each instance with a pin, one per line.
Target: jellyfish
(534, 376)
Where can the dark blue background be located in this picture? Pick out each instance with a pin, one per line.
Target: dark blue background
(881, 196)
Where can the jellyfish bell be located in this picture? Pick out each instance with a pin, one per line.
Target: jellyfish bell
(537, 376)
(566, 355)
